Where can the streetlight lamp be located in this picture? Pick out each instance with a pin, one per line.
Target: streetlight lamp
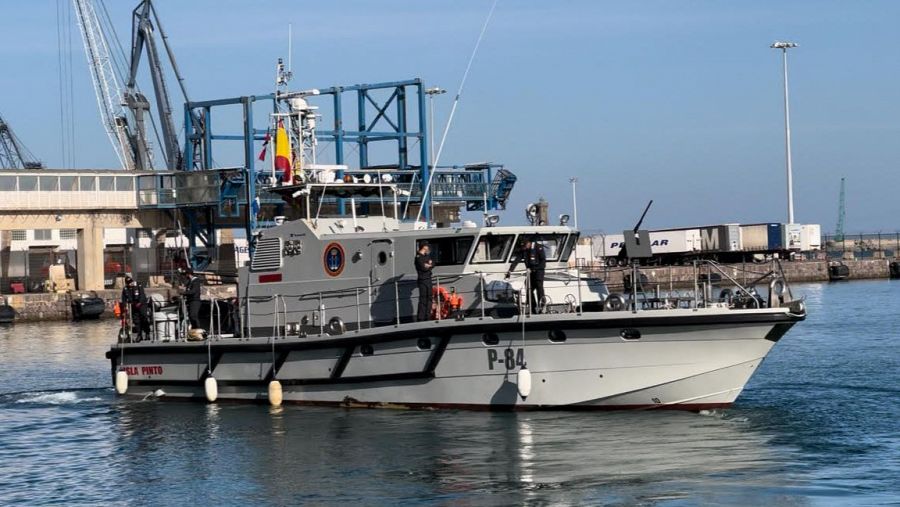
(573, 180)
(784, 46)
(431, 92)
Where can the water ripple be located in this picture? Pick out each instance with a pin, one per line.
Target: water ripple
(816, 425)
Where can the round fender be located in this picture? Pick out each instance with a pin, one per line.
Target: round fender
(614, 303)
(276, 395)
(121, 382)
(336, 326)
(777, 286)
(211, 389)
(523, 382)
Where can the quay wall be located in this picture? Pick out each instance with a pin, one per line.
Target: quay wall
(794, 271)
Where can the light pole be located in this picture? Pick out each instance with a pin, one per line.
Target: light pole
(573, 180)
(431, 92)
(784, 46)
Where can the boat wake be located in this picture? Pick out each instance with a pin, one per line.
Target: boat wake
(60, 397)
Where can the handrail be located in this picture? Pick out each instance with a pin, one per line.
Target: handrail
(715, 265)
(344, 301)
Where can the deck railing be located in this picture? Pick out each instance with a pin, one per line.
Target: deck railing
(512, 301)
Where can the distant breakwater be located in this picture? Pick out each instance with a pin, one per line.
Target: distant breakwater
(794, 271)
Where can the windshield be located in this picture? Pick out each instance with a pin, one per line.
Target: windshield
(492, 248)
(448, 251)
(570, 246)
(552, 243)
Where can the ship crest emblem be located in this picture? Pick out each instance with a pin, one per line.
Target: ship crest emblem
(333, 259)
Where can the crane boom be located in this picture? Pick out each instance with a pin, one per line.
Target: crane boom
(106, 83)
(141, 37)
(13, 155)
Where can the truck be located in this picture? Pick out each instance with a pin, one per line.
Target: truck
(730, 242)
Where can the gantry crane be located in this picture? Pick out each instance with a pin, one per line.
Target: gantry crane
(13, 154)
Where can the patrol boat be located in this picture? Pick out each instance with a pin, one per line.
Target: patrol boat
(327, 317)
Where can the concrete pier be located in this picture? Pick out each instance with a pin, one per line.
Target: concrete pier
(794, 272)
(90, 258)
(53, 306)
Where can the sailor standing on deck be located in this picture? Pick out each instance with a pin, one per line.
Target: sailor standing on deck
(135, 300)
(191, 296)
(424, 264)
(532, 254)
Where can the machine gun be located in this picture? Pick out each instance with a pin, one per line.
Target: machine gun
(637, 241)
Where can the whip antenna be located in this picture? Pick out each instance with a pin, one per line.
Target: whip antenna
(462, 83)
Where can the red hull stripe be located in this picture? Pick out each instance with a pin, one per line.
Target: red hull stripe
(274, 277)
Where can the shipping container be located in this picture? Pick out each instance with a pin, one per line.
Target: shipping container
(725, 242)
(792, 233)
(762, 237)
(583, 255)
(720, 238)
(661, 242)
(810, 237)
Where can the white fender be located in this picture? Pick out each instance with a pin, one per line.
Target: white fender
(211, 388)
(121, 382)
(275, 393)
(523, 382)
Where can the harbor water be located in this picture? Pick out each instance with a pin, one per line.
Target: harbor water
(817, 425)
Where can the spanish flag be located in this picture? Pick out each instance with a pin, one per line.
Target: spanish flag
(283, 152)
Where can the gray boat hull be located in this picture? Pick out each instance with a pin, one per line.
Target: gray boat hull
(683, 359)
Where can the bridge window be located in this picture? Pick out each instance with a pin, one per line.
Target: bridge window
(7, 183)
(570, 245)
(124, 183)
(49, 183)
(27, 183)
(448, 251)
(68, 183)
(553, 244)
(107, 183)
(493, 248)
(88, 183)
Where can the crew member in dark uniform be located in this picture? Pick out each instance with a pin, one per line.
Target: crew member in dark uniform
(532, 254)
(424, 264)
(134, 298)
(191, 296)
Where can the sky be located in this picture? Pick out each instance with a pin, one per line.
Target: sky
(679, 102)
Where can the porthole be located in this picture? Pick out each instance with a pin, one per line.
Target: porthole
(424, 344)
(490, 338)
(556, 335)
(366, 350)
(382, 258)
(630, 334)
